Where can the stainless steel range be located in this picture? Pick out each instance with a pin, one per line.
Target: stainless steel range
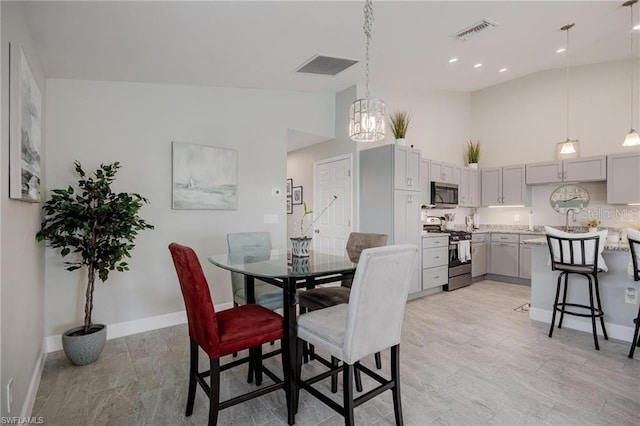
(459, 254)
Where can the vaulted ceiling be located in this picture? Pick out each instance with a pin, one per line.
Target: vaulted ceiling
(260, 44)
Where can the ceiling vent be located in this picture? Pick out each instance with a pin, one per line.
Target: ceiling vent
(474, 29)
(325, 65)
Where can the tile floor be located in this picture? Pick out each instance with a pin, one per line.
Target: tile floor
(467, 358)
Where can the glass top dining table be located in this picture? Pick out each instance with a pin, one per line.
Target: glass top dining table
(290, 273)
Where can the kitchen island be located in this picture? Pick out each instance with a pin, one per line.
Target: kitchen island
(618, 315)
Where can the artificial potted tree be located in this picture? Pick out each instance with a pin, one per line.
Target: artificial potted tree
(399, 124)
(97, 227)
(473, 154)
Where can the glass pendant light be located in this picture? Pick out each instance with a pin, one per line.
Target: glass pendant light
(570, 148)
(632, 138)
(366, 116)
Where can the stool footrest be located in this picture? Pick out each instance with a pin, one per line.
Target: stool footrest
(596, 312)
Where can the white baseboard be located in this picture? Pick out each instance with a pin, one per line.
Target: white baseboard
(614, 331)
(127, 328)
(34, 384)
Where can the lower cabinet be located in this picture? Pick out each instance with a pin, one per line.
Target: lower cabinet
(478, 259)
(435, 261)
(525, 261)
(505, 254)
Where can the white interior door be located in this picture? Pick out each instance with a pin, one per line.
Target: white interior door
(332, 177)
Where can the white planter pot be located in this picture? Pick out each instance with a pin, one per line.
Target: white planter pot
(401, 142)
(593, 229)
(473, 165)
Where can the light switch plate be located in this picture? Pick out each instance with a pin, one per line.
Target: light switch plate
(631, 296)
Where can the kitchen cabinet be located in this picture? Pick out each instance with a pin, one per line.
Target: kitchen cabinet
(505, 253)
(444, 172)
(503, 186)
(590, 169)
(469, 190)
(478, 255)
(425, 181)
(406, 168)
(525, 261)
(623, 178)
(435, 261)
(384, 209)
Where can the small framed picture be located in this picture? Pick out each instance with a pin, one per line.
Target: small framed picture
(289, 187)
(289, 206)
(296, 194)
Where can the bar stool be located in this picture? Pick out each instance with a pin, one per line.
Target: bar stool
(577, 254)
(369, 323)
(220, 333)
(634, 252)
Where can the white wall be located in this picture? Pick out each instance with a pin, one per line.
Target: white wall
(96, 122)
(300, 162)
(22, 276)
(522, 120)
(440, 125)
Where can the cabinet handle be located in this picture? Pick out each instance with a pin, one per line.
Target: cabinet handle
(436, 277)
(443, 176)
(564, 175)
(408, 181)
(410, 199)
(436, 257)
(559, 175)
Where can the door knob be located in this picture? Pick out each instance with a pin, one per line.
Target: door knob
(317, 231)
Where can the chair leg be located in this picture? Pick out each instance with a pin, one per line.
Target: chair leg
(564, 299)
(193, 370)
(555, 306)
(347, 380)
(300, 343)
(358, 378)
(395, 377)
(312, 352)
(334, 378)
(257, 352)
(378, 360)
(214, 397)
(635, 341)
(251, 368)
(593, 313)
(604, 330)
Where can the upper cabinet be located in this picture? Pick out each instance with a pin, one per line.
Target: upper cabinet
(469, 190)
(589, 169)
(623, 178)
(444, 172)
(503, 186)
(406, 168)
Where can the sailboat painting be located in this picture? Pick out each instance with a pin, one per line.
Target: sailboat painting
(204, 177)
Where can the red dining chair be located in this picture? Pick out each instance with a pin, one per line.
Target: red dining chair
(220, 333)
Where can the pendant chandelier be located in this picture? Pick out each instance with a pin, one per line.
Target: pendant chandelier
(366, 116)
(568, 148)
(632, 138)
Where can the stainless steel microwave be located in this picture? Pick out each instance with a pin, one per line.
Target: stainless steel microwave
(444, 195)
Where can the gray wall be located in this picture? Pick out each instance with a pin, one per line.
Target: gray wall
(22, 259)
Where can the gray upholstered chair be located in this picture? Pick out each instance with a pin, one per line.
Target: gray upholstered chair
(369, 323)
(634, 260)
(324, 297)
(254, 246)
(248, 247)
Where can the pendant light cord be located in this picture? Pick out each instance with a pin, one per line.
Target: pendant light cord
(367, 27)
(567, 28)
(633, 63)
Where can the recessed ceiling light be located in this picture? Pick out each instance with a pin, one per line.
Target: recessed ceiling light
(562, 49)
(502, 69)
(477, 65)
(452, 60)
(637, 27)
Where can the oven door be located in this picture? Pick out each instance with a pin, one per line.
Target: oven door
(454, 256)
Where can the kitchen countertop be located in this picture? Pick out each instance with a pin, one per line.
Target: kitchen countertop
(620, 246)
